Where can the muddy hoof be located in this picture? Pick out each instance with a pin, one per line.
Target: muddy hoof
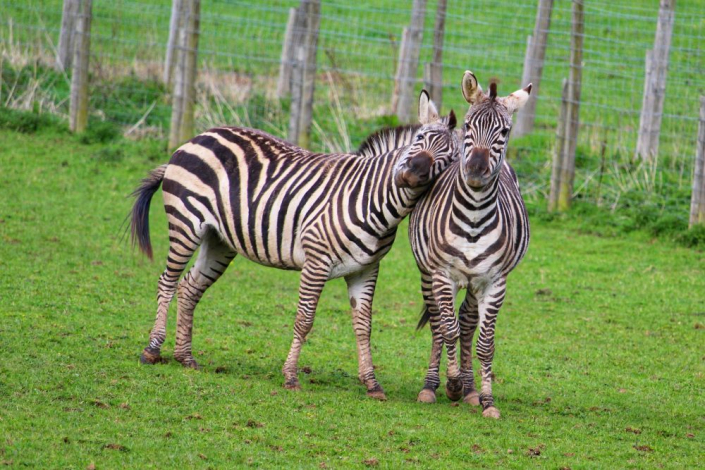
(292, 384)
(454, 389)
(426, 396)
(148, 357)
(190, 364)
(377, 394)
(472, 398)
(491, 412)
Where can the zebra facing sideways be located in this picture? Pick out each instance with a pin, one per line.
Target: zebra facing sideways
(233, 191)
(469, 231)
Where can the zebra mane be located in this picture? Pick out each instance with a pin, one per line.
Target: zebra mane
(387, 139)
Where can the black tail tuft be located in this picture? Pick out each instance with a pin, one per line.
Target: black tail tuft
(139, 218)
(425, 317)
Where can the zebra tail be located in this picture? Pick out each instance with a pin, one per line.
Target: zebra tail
(425, 317)
(139, 218)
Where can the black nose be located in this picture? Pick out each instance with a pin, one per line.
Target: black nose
(421, 164)
(478, 164)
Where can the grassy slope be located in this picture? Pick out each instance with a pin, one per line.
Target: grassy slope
(597, 335)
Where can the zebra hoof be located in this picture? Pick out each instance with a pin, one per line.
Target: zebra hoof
(190, 364)
(148, 357)
(454, 389)
(472, 398)
(377, 393)
(292, 384)
(426, 396)
(491, 412)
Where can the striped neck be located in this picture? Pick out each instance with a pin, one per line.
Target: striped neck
(475, 207)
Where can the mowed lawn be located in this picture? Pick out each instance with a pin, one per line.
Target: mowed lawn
(599, 359)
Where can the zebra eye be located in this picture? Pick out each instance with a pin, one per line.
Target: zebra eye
(504, 132)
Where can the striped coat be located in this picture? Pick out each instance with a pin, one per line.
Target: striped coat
(469, 232)
(233, 191)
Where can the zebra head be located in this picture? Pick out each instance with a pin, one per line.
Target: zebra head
(432, 149)
(486, 130)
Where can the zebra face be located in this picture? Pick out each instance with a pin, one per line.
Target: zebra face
(432, 149)
(486, 130)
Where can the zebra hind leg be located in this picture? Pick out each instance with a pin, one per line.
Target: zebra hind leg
(361, 289)
(213, 259)
(489, 307)
(180, 252)
(468, 323)
(432, 380)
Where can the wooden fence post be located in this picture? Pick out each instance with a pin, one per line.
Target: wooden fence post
(303, 76)
(184, 94)
(400, 69)
(655, 83)
(697, 199)
(288, 56)
(78, 108)
(572, 112)
(409, 63)
(533, 67)
(557, 167)
(175, 26)
(64, 53)
(433, 71)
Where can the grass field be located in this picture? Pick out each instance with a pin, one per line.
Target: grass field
(599, 358)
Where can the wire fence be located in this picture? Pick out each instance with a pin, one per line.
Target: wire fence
(358, 49)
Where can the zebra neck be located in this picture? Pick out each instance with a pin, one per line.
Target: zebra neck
(477, 208)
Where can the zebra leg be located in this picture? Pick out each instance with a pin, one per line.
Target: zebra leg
(468, 316)
(444, 290)
(433, 380)
(489, 305)
(313, 277)
(361, 289)
(213, 259)
(181, 249)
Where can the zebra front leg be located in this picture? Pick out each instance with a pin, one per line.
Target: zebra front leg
(361, 289)
(444, 290)
(213, 259)
(313, 278)
(488, 306)
(180, 252)
(468, 317)
(430, 314)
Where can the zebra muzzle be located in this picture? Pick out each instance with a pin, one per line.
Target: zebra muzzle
(477, 168)
(416, 172)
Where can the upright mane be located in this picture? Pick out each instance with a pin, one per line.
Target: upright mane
(387, 139)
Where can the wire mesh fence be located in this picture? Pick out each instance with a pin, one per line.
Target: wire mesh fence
(239, 59)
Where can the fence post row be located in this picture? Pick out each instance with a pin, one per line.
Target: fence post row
(403, 99)
(533, 67)
(184, 92)
(697, 199)
(78, 107)
(304, 48)
(655, 83)
(64, 53)
(433, 71)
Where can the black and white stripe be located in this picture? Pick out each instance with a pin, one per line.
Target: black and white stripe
(469, 231)
(233, 191)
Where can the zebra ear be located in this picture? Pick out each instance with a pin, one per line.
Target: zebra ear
(427, 110)
(472, 91)
(452, 120)
(516, 100)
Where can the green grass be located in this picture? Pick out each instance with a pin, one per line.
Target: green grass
(599, 358)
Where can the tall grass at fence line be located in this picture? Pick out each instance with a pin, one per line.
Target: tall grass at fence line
(239, 56)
